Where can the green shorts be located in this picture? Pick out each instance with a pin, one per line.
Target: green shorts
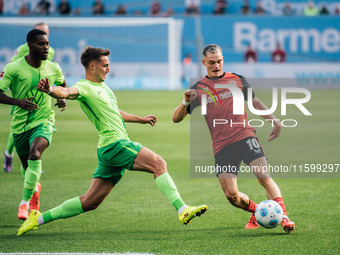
(24, 140)
(12, 110)
(114, 158)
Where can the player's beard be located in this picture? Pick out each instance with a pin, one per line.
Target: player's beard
(39, 56)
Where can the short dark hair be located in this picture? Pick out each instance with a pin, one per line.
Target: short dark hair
(92, 53)
(211, 48)
(33, 34)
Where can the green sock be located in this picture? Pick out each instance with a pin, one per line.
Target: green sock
(32, 176)
(10, 144)
(23, 172)
(167, 186)
(69, 208)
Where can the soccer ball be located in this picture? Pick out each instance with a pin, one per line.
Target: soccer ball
(268, 214)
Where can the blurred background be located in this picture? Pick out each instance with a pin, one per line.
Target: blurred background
(157, 44)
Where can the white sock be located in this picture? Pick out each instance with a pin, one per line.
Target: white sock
(8, 155)
(180, 210)
(24, 203)
(40, 220)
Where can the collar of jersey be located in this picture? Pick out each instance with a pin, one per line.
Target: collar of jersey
(31, 67)
(92, 83)
(210, 78)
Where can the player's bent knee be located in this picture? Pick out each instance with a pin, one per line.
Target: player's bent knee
(160, 165)
(265, 182)
(34, 156)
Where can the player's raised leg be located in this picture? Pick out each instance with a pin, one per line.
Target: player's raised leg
(272, 190)
(94, 196)
(148, 161)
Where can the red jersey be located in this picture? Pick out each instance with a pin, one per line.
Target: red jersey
(279, 55)
(250, 56)
(235, 127)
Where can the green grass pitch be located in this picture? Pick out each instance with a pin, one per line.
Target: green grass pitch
(136, 217)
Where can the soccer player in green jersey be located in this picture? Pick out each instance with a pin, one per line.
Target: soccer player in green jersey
(115, 151)
(22, 51)
(33, 119)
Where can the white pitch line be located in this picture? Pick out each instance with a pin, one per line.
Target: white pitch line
(74, 253)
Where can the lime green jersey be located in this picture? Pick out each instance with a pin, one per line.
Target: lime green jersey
(23, 50)
(100, 105)
(22, 80)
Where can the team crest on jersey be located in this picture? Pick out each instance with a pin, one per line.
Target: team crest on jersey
(233, 83)
(37, 94)
(2, 75)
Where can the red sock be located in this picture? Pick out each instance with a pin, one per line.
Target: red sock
(279, 200)
(251, 207)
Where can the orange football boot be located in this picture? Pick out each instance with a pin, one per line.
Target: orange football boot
(252, 223)
(35, 203)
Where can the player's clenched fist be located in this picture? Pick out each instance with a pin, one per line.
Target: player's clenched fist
(190, 95)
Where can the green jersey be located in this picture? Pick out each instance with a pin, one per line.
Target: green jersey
(23, 50)
(22, 80)
(100, 105)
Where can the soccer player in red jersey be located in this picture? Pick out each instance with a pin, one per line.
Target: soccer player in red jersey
(233, 143)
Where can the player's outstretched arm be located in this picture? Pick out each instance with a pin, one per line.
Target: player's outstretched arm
(148, 119)
(258, 105)
(58, 92)
(25, 103)
(181, 110)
